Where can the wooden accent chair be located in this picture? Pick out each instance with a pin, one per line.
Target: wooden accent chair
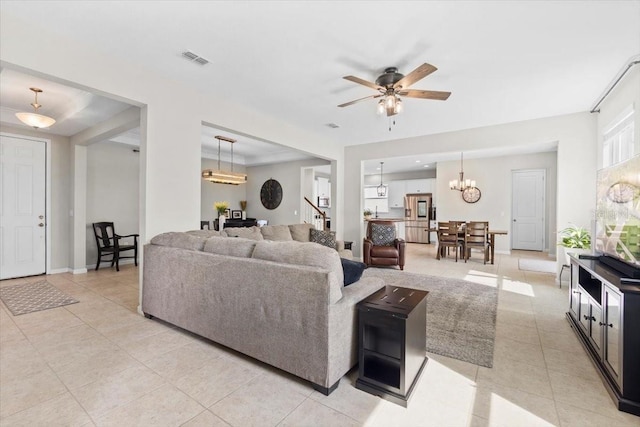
(448, 238)
(476, 236)
(109, 244)
(387, 255)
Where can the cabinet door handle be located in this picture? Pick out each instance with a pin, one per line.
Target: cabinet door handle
(585, 317)
(576, 292)
(593, 319)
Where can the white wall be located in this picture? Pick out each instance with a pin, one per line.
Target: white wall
(211, 192)
(113, 192)
(171, 118)
(493, 178)
(289, 176)
(58, 219)
(576, 162)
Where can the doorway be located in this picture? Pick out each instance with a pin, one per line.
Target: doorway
(528, 208)
(23, 243)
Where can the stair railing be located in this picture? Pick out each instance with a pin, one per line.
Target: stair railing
(314, 215)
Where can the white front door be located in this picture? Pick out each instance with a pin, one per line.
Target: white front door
(528, 206)
(22, 207)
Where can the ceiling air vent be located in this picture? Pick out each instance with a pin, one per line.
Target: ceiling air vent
(194, 58)
(332, 125)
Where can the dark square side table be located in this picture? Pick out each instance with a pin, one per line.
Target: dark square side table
(392, 342)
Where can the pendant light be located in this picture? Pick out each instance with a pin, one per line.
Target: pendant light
(34, 119)
(220, 176)
(461, 184)
(382, 190)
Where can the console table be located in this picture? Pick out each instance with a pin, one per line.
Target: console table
(604, 308)
(392, 342)
(228, 223)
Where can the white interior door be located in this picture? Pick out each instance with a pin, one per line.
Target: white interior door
(528, 206)
(22, 207)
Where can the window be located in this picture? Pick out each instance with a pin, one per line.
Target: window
(618, 144)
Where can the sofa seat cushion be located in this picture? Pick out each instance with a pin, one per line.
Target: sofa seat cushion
(237, 247)
(252, 233)
(278, 233)
(301, 232)
(384, 252)
(180, 240)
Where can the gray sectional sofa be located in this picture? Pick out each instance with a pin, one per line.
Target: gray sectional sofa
(281, 302)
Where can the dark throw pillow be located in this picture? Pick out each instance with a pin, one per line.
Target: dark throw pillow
(383, 235)
(325, 238)
(352, 270)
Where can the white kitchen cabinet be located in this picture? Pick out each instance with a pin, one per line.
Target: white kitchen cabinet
(371, 192)
(396, 194)
(417, 186)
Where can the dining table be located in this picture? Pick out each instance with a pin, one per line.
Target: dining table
(492, 241)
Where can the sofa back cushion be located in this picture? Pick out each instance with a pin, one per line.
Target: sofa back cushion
(279, 233)
(300, 254)
(203, 233)
(237, 247)
(179, 240)
(252, 233)
(301, 232)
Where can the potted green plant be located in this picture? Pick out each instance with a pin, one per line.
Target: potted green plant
(575, 240)
(367, 213)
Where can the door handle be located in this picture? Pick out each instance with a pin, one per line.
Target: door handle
(41, 217)
(41, 225)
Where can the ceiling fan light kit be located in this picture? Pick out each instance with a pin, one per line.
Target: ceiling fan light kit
(391, 85)
(35, 120)
(220, 176)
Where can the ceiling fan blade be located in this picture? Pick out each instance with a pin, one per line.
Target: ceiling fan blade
(363, 82)
(346, 104)
(419, 73)
(425, 94)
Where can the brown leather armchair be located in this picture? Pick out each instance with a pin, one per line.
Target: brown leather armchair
(383, 255)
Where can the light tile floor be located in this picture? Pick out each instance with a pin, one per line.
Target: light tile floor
(100, 363)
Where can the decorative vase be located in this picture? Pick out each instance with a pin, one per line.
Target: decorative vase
(367, 217)
(244, 215)
(221, 220)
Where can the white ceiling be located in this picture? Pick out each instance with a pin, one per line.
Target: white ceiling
(503, 61)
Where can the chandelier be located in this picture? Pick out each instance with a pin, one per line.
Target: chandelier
(220, 176)
(461, 184)
(34, 119)
(382, 190)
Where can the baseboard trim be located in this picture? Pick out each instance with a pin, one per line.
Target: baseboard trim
(59, 271)
(79, 271)
(108, 263)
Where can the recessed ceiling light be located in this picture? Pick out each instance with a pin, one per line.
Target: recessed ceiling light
(377, 169)
(417, 161)
(425, 166)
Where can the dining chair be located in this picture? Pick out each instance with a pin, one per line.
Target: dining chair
(109, 244)
(448, 238)
(476, 236)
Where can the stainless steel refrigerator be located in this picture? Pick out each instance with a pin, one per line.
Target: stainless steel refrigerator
(418, 212)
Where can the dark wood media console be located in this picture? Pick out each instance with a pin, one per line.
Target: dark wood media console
(604, 311)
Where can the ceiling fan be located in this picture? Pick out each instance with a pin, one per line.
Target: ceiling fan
(391, 85)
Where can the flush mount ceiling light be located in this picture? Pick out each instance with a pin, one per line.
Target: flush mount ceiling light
(34, 119)
(220, 176)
